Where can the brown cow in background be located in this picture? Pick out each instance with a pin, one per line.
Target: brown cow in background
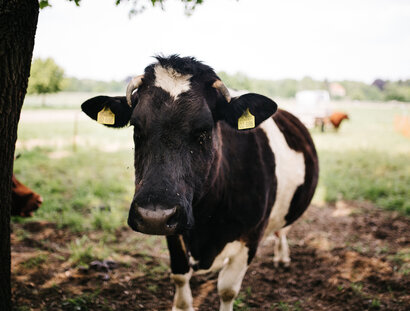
(24, 200)
(336, 119)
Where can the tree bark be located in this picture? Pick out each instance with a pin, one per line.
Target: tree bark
(18, 23)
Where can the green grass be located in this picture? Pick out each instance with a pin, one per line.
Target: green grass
(239, 303)
(35, 261)
(366, 175)
(367, 159)
(83, 251)
(85, 302)
(402, 261)
(89, 188)
(357, 287)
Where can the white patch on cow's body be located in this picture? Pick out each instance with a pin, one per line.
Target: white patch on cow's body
(289, 171)
(171, 81)
(230, 277)
(230, 250)
(192, 261)
(183, 296)
(232, 263)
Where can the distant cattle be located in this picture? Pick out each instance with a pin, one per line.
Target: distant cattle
(334, 119)
(402, 124)
(211, 171)
(24, 200)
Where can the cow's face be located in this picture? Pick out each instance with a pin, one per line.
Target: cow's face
(175, 114)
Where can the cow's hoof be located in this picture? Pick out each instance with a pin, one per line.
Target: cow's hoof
(282, 263)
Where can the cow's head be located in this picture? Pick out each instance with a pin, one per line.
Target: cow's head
(24, 200)
(175, 113)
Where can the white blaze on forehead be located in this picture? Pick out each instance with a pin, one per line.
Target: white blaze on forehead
(289, 169)
(171, 81)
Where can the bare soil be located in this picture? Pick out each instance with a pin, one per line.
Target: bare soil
(347, 256)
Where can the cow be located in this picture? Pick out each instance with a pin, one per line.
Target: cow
(212, 171)
(336, 119)
(24, 201)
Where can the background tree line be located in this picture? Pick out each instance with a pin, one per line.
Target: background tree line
(379, 90)
(48, 77)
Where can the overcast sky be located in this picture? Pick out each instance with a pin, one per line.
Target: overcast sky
(272, 39)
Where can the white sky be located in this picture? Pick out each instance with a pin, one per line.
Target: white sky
(272, 39)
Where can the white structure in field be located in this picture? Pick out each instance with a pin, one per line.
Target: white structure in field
(311, 106)
(337, 90)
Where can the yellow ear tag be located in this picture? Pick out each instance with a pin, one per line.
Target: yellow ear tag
(106, 116)
(246, 121)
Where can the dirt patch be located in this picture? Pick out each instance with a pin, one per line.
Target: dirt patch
(345, 257)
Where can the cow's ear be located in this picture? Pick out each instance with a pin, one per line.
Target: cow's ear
(110, 111)
(247, 111)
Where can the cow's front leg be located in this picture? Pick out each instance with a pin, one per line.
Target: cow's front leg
(183, 295)
(230, 277)
(181, 273)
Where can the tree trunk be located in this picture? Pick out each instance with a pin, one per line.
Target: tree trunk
(18, 23)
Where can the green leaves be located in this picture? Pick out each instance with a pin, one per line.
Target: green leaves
(137, 7)
(43, 4)
(45, 77)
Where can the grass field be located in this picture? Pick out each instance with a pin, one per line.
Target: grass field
(367, 159)
(63, 100)
(86, 180)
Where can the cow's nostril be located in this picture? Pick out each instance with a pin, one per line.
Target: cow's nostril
(138, 218)
(154, 219)
(172, 222)
(40, 200)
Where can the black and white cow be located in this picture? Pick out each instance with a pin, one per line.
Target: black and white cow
(211, 188)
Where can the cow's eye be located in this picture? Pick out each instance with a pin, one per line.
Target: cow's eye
(137, 130)
(201, 135)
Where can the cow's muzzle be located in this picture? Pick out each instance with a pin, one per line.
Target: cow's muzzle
(154, 219)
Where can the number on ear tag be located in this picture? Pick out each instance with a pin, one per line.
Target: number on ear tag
(106, 116)
(246, 121)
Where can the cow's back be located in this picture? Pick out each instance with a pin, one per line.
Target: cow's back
(296, 167)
